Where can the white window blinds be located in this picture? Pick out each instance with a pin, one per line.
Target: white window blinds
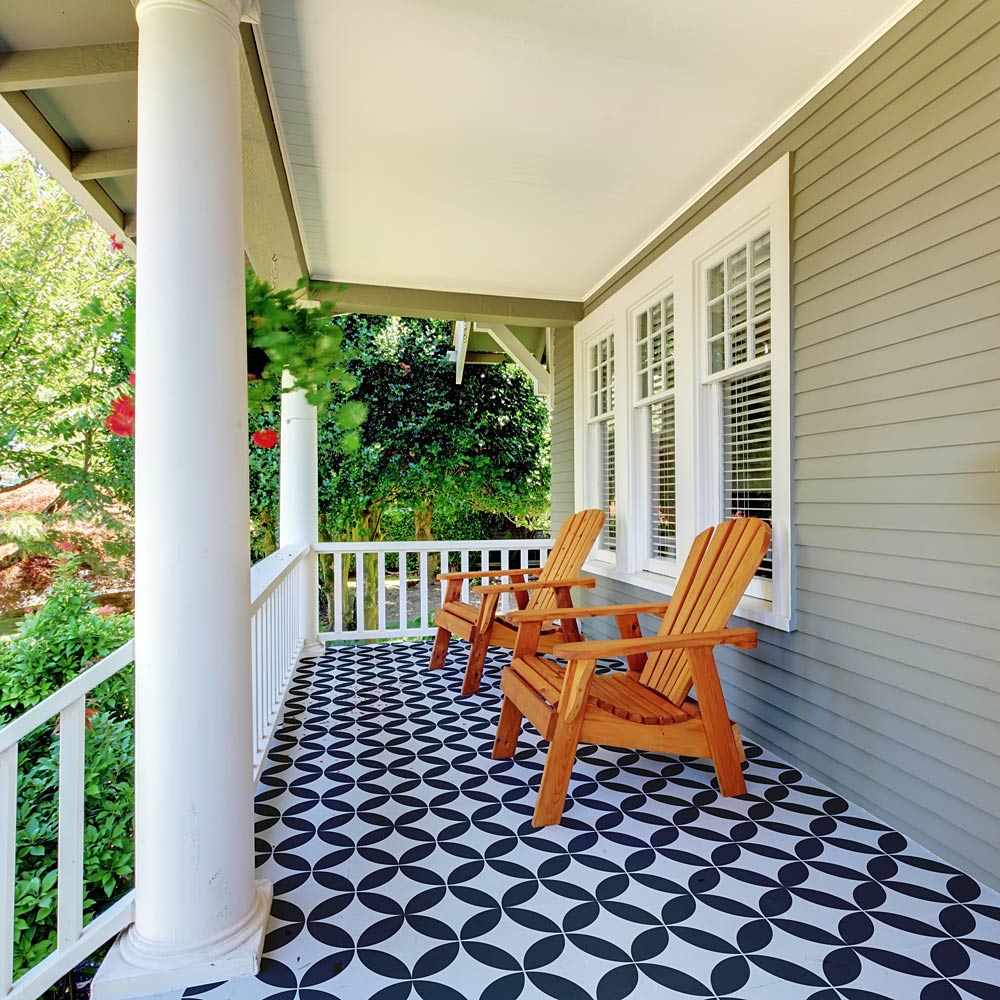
(746, 450)
(654, 353)
(602, 431)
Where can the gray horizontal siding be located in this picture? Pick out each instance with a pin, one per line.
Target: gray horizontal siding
(889, 690)
(562, 426)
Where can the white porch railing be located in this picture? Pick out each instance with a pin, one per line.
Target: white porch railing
(406, 597)
(74, 942)
(276, 639)
(276, 614)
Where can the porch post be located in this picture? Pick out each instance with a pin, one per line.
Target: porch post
(298, 504)
(199, 917)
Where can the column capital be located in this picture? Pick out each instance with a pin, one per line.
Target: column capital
(232, 11)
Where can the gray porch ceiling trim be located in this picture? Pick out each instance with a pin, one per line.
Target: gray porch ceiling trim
(271, 229)
(30, 128)
(38, 69)
(384, 300)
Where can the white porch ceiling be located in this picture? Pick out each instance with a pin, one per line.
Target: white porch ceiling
(526, 147)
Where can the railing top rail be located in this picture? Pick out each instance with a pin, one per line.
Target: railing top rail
(66, 695)
(442, 545)
(268, 573)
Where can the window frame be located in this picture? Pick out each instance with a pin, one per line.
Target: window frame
(640, 456)
(683, 270)
(591, 424)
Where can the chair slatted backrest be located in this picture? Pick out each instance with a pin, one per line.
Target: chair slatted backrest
(573, 543)
(720, 566)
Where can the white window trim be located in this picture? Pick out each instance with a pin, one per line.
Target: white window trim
(587, 487)
(639, 463)
(763, 203)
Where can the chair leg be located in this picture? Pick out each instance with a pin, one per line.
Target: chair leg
(508, 730)
(718, 729)
(565, 739)
(440, 650)
(480, 644)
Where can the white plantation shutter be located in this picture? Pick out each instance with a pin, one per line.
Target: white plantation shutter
(609, 533)
(746, 450)
(662, 480)
(602, 431)
(654, 388)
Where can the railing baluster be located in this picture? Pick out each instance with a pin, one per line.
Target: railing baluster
(423, 588)
(465, 569)
(359, 591)
(403, 617)
(338, 601)
(72, 745)
(8, 841)
(381, 590)
(506, 604)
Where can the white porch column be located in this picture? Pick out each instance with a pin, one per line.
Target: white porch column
(298, 504)
(199, 915)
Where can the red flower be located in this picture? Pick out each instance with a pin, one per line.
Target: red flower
(131, 380)
(265, 439)
(65, 546)
(121, 419)
(116, 244)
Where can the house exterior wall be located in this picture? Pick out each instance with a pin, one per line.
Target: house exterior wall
(563, 503)
(889, 689)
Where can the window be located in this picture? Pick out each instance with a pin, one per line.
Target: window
(654, 362)
(602, 433)
(698, 427)
(739, 340)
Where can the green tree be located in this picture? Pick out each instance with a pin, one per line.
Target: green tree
(58, 368)
(428, 446)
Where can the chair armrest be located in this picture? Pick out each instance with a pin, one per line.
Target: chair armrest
(598, 649)
(599, 611)
(509, 588)
(532, 571)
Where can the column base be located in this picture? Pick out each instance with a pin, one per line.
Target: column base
(313, 647)
(134, 970)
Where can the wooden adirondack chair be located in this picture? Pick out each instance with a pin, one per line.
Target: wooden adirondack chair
(549, 593)
(647, 707)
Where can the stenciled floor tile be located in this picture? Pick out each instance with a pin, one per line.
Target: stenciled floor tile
(405, 865)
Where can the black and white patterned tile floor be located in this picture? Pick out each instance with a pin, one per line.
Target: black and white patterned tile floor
(405, 865)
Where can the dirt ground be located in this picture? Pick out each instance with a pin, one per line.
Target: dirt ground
(23, 583)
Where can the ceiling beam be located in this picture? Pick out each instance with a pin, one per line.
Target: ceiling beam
(27, 124)
(520, 353)
(460, 343)
(385, 300)
(272, 239)
(99, 163)
(35, 69)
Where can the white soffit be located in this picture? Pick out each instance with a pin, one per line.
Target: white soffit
(526, 147)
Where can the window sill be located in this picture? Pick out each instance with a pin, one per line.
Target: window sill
(752, 609)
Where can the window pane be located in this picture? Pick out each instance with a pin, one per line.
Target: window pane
(716, 281)
(762, 295)
(656, 317)
(716, 319)
(662, 481)
(762, 253)
(738, 347)
(746, 450)
(718, 354)
(738, 267)
(606, 471)
(762, 337)
(738, 307)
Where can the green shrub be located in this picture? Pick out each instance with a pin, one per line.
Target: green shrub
(50, 648)
(55, 644)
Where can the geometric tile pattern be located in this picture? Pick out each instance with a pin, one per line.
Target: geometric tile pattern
(405, 865)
